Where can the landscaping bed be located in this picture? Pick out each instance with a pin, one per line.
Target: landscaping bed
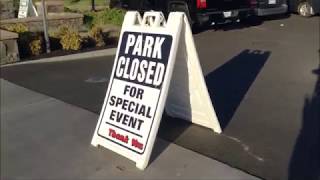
(57, 53)
(66, 40)
(85, 5)
(100, 30)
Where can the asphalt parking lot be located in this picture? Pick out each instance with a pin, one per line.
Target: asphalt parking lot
(264, 84)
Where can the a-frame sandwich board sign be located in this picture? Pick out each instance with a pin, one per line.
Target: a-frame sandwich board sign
(139, 85)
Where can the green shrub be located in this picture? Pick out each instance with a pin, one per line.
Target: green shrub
(84, 5)
(97, 35)
(36, 46)
(18, 28)
(30, 43)
(70, 38)
(107, 16)
(53, 33)
(62, 31)
(88, 19)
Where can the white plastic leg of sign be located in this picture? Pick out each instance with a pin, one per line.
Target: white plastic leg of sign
(32, 9)
(188, 96)
(151, 44)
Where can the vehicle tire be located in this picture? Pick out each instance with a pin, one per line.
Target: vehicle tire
(305, 9)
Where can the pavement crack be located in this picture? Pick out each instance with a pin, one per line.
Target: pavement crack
(245, 147)
(96, 80)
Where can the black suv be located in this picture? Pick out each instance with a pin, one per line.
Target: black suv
(200, 12)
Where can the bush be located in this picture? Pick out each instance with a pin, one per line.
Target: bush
(108, 16)
(61, 31)
(70, 38)
(36, 46)
(17, 28)
(30, 43)
(97, 35)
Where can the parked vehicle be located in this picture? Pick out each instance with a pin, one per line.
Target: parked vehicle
(199, 12)
(305, 8)
(271, 7)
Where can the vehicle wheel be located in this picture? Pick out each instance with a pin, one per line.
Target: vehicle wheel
(305, 9)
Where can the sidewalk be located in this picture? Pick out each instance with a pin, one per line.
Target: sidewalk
(70, 57)
(44, 138)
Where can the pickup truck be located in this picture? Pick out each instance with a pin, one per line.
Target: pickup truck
(199, 12)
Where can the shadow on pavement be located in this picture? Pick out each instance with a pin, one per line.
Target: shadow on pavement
(228, 26)
(84, 83)
(275, 17)
(305, 159)
(228, 84)
(179, 81)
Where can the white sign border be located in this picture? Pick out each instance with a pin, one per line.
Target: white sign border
(173, 28)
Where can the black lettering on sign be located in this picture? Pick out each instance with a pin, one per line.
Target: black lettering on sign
(141, 62)
(143, 58)
(130, 106)
(130, 121)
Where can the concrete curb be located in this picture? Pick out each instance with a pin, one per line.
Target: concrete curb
(71, 57)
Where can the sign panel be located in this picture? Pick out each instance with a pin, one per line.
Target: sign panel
(138, 89)
(135, 89)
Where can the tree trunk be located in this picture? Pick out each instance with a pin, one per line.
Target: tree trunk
(93, 5)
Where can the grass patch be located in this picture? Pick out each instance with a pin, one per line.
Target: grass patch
(84, 5)
(107, 16)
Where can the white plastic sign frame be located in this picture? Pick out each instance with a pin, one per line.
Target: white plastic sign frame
(122, 129)
(156, 66)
